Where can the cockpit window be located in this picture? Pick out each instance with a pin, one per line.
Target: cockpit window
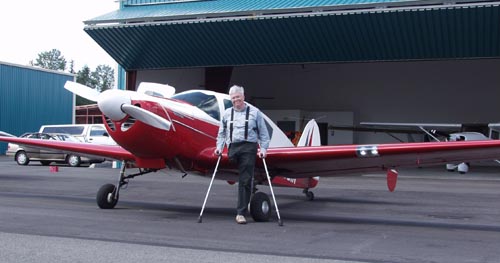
(206, 103)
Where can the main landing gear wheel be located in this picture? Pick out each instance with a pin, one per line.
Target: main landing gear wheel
(260, 207)
(106, 197)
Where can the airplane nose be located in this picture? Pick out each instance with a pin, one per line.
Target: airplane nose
(110, 103)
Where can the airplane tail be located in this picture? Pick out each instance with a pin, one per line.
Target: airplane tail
(310, 136)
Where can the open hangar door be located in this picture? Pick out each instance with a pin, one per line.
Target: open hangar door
(384, 61)
(448, 91)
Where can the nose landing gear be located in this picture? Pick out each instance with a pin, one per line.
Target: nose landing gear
(108, 194)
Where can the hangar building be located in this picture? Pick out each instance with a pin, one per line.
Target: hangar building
(339, 61)
(31, 97)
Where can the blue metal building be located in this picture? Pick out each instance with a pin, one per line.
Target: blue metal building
(31, 97)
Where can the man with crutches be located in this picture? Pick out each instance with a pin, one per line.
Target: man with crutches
(243, 128)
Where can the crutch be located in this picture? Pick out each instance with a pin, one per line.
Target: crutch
(280, 222)
(209, 187)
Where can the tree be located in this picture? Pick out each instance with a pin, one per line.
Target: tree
(103, 77)
(83, 77)
(51, 60)
(72, 67)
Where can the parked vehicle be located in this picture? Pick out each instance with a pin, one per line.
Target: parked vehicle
(24, 154)
(91, 133)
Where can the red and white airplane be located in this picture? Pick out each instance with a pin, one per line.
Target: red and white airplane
(155, 129)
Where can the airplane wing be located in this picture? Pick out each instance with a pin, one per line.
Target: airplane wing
(107, 151)
(6, 134)
(351, 159)
(403, 127)
(433, 130)
(373, 128)
(442, 126)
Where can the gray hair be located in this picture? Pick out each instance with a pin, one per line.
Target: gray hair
(236, 89)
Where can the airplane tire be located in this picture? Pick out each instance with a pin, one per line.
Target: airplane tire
(260, 207)
(22, 158)
(104, 197)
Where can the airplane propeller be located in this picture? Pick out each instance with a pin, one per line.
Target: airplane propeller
(82, 90)
(146, 117)
(116, 104)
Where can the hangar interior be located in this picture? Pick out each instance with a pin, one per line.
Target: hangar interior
(458, 91)
(341, 62)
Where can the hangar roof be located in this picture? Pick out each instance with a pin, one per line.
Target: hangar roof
(152, 34)
(148, 10)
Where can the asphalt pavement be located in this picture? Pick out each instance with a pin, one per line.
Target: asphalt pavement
(433, 216)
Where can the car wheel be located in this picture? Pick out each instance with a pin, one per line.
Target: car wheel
(22, 158)
(73, 160)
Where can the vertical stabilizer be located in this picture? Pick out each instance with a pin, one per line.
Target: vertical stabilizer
(310, 136)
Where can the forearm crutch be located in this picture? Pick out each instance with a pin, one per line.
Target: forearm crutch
(209, 187)
(272, 193)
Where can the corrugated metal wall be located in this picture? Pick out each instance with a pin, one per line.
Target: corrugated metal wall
(31, 97)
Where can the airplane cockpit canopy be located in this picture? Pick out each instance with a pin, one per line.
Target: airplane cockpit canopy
(205, 102)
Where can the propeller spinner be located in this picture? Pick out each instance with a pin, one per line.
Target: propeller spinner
(116, 104)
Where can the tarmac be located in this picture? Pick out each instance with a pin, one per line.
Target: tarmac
(433, 216)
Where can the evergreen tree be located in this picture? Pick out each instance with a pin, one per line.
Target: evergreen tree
(83, 77)
(104, 77)
(51, 60)
(101, 79)
(72, 67)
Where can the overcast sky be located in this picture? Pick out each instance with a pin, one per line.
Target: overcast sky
(28, 27)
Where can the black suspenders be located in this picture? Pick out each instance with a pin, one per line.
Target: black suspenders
(246, 124)
(231, 126)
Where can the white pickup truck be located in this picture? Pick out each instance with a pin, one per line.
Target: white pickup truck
(90, 133)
